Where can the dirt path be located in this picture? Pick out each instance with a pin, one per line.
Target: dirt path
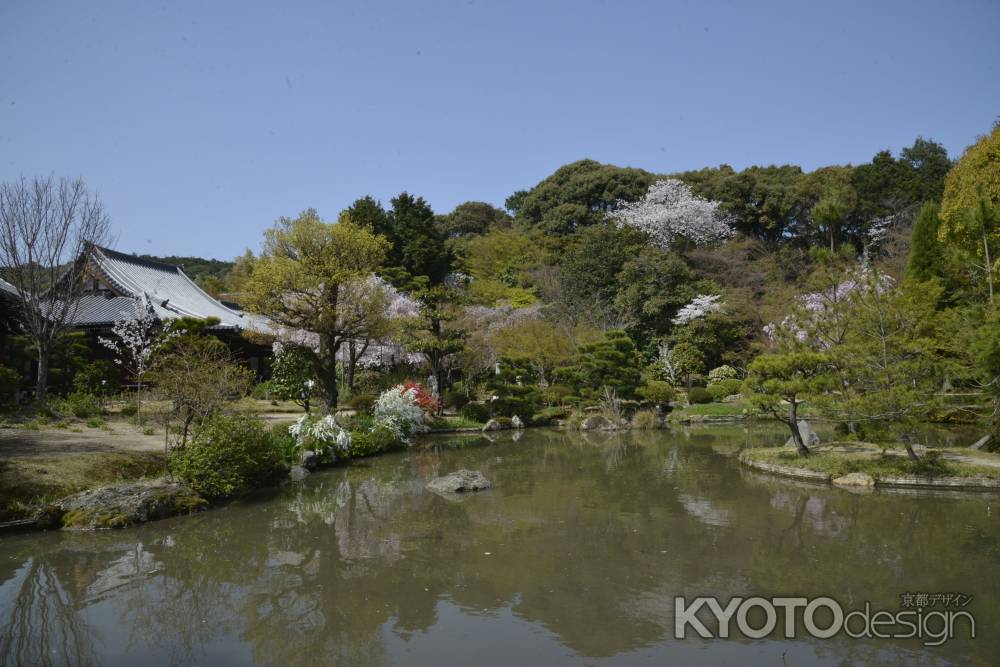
(18, 442)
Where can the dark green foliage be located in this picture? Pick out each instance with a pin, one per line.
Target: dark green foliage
(926, 255)
(477, 412)
(264, 391)
(101, 377)
(418, 245)
(229, 456)
(455, 399)
(374, 441)
(699, 395)
(546, 416)
(611, 362)
(292, 370)
(362, 402)
(473, 217)
(578, 195)
(593, 260)
(10, 383)
(70, 354)
(205, 272)
(81, 404)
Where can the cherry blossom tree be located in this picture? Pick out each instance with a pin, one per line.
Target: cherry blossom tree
(699, 307)
(136, 339)
(670, 211)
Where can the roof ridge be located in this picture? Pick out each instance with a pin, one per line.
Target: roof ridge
(135, 259)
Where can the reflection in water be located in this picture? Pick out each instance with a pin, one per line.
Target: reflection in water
(577, 553)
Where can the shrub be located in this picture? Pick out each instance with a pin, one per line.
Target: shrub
(658, 392)
(81, 405)
(646, 420)
(724, 372)
(368, 443)
(9, 385)
(699, 395)
(283, 441)
(230, 455)
(723, 388)
(556, 394)
(129, 409)
(322, 435)
(262, 391)
(455, 399)
(423, 397)
(398, 410)
(548, 415)
(362, 403)
(95, 422)
(98, 377)
(477, 412)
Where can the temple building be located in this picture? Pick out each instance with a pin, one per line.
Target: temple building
(114, 282)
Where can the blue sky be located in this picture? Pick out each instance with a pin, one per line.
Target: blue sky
(202, 122)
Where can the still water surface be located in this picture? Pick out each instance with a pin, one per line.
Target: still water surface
(574, 557)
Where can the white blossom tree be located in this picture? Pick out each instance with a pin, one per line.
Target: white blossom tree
(136, 339)
(699, 307)
(670, 211)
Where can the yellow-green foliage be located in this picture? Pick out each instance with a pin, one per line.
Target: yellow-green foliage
(646, 420)
(977, 172)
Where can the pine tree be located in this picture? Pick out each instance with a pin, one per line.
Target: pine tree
(925, 248)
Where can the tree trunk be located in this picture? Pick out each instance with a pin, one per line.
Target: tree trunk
(793, 424)
(908, 443)
(42, 377)
(328, 372)
(989, 266)
(352, 360)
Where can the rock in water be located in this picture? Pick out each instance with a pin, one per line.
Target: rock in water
(808, 435)
(310, 460)
(516, 422)
(855, 479)
(126, 504)
(596, 423)
(460, 481)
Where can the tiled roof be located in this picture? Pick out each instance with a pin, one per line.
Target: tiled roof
(171, 292)
(7, 289)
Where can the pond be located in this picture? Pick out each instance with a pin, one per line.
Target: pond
(575, 556)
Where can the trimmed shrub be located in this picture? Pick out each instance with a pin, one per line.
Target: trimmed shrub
(658, 392)
(230, 455)
(130, 409)
(368, 443)
(723, 388)
(455, 399)
(556, 394)
(548, 415)
(699, 395)
(477, 412)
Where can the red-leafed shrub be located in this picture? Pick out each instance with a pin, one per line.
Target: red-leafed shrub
(427, 401)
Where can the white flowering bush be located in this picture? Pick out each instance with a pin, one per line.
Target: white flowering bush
(724, 372)
(322, 435)
(398, 411)
(700, 306)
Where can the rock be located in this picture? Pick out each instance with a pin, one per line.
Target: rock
(460, 481)
(982, 442)
(126, 504)
(597, 423)
(855, 479)
(515, 422)
(310, 460)
(498, 424)
(298, 473)
(809, 436)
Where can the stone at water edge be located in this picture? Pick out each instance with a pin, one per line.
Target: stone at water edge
(125, 504)
(809, 436)
(855, 479)
(595, 423)
(516, 422)
(460, 481)
(298, 473)
(310, 460)
(495, 425)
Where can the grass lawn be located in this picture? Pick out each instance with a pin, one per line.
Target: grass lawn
(734, 409)
(25, 481)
